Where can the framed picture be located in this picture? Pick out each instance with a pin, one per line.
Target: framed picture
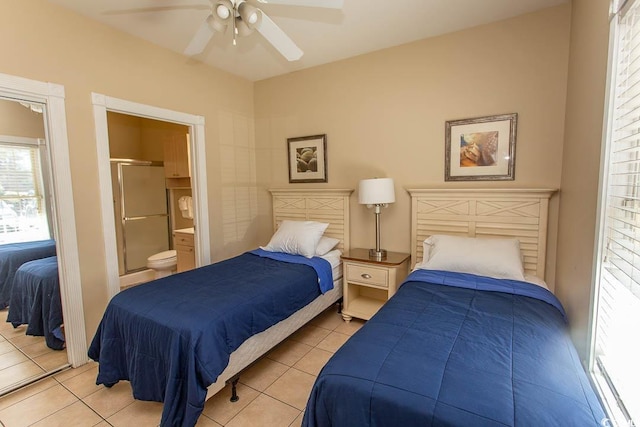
(307, 158)
(481, 149)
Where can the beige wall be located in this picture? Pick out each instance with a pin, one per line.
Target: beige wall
(16, 120)
(139, 138)
(42, 41)
(384, 114)
(153, 135)
(581, 162)
(124, 136)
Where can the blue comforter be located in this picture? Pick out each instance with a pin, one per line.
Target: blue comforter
(452, 349)
(13, 255)
(172, 337)
(35, 301)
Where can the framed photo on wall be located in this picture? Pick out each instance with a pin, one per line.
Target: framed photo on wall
(481, 149)
(307, 157)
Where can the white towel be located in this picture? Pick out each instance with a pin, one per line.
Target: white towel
(185, 204)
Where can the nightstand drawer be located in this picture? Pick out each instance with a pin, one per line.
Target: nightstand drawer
(367, 275)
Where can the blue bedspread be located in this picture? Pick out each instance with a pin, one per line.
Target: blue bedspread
(457, 350)
(13, 255)
(172, 337)
(321, 266)
(35, 301)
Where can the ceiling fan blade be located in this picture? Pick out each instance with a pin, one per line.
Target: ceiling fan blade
(200, 39)
(329, 4)
(278, 39)
(157, 9)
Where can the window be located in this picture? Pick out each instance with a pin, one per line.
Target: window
(614, 362)
(23, 208)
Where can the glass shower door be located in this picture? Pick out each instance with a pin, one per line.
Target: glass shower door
(144, 215)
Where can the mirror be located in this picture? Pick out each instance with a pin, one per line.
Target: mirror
(34, 205)
(32, 341)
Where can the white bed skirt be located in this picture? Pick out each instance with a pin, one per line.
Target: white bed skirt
(259, 344)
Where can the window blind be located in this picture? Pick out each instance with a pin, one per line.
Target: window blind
(23, 210)
(617, 316)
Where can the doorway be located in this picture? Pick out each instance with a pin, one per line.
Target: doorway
(33, 207)
(151, 181)
(102, 107)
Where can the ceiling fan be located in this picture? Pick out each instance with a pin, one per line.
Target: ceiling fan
(243, 17)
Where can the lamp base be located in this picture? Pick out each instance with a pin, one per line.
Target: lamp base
(377, 255)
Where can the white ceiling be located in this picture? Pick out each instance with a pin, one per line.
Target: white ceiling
(325, 35)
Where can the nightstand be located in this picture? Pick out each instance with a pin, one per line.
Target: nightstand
(369, 283)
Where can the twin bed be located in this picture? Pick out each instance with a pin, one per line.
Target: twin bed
(30, 288)
(12, 256)
(36, 302)
(182, 338)
(460, 348)
(449, 348)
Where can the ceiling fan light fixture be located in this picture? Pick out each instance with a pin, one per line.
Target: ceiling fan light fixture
(242, 29)
(250, 15)
(224, 9)
(216, 24)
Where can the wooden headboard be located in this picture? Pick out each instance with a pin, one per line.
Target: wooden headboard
(512, 213)
(322, 205)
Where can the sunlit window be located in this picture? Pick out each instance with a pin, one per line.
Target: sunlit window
(617, 316)
(23, 210)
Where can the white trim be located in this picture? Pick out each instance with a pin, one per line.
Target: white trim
(602, 196)
(102, 104)
(63, 209)
(20, 140)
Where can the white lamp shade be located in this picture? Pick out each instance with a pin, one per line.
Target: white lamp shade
(376, 191)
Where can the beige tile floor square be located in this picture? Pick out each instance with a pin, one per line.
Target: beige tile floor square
(24, 358)
(313, 361)
(292, 388)
(273, 392)
(263, 373)
(289, 352)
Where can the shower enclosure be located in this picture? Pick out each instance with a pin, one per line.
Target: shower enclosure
(141, 212)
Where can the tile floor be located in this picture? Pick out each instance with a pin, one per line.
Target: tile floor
(23, 357)
(273, 392)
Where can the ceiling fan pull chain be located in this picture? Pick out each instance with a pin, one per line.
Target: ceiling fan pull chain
(235, 29)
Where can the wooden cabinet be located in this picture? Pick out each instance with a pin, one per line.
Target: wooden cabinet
(369, 283)
(185, 250)
(176, 157)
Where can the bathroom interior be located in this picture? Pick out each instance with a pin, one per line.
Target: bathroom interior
(153, 209)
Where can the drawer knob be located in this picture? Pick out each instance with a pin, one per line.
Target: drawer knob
(365, 276)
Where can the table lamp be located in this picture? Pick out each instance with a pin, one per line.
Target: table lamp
(376, 193)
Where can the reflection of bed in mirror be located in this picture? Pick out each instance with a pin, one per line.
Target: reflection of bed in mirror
(181, 338)
(35, 301)
(13, 255)
(469, 338)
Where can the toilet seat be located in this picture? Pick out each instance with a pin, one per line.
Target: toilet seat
(162, 260)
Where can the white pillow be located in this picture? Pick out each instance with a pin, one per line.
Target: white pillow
(297, 238)
(325, 245)
(498, 258)
(536, 281)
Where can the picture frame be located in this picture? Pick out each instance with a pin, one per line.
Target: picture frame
(307, 158)
(481, 148)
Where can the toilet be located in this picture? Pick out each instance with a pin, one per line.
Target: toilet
(163, 263)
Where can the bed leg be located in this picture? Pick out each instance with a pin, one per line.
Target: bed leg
(234, 391)
(340, 306)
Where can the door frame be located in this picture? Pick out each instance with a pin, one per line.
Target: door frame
(102, 104)
(64, 224)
